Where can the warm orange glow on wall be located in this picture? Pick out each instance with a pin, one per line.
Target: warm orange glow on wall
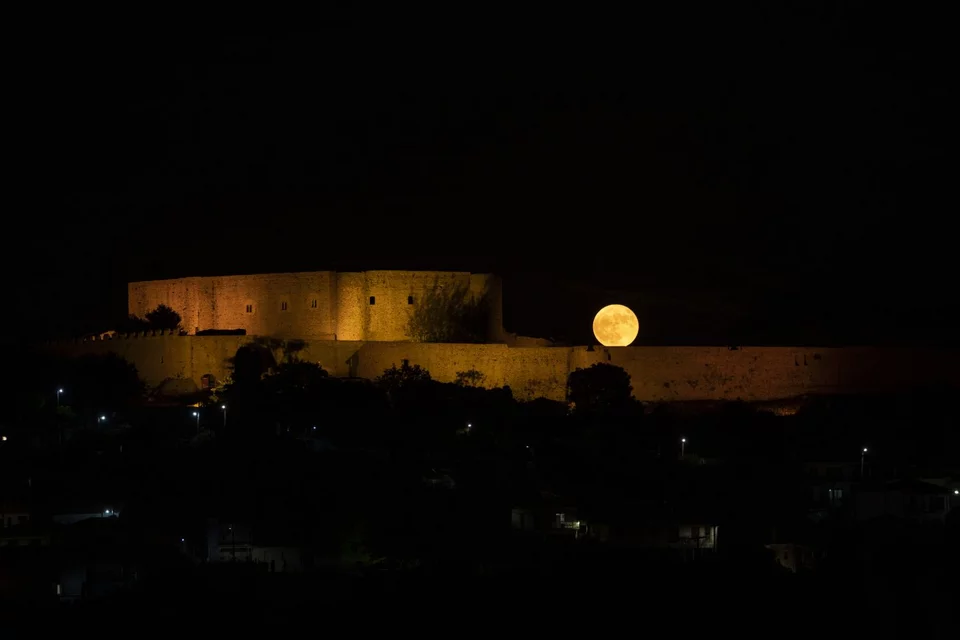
(318, 305)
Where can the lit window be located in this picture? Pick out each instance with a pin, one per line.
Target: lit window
(409, 299)
(249, 308)
(373, 299)
(283, 306)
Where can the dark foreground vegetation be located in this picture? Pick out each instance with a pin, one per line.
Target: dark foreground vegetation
(294, 496)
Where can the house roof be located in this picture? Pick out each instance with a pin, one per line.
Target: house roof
(909, 486)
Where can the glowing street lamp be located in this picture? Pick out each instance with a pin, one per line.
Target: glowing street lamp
(196, 414)
(223, 407)
(101, 419)
(59, 391)
(863, 455)
(683, 446)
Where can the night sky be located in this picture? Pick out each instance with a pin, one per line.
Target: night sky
(776, 179)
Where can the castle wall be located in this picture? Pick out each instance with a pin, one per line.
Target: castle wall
(312, 305)
(280, 304)
(717, 373)
(377, 305)
(180, 294)
(657, 373)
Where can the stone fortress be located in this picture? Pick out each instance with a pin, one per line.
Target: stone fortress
(356, 324)
(370, 306)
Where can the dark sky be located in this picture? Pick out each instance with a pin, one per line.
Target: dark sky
(776, 178)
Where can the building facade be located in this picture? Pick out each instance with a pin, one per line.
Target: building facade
(314, 305)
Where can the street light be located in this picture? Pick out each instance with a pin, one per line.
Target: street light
(683, 446)
(101, 419)
(224, 408)
(59, 391)
(196, 414)
(863, 455)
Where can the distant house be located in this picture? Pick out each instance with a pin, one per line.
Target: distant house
(908, 499)
(641, 529)
(548, 519)
(229, 542)
(662, 533)
(11, 516)
(696, 536)
(17, 528)
(830, 487)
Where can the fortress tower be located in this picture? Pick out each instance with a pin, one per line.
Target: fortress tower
(318, 305)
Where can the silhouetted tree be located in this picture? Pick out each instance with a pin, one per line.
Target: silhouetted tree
(406, 375)
(133, 324)
(449, 314)
(250, 363)
(297, 375)
(163, 318)
(470, 378)
(295, 393)
(601, 389)
(103, 383)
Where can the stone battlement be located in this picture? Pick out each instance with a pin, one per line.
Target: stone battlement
(111, 336)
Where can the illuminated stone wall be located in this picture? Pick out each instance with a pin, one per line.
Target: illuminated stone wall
(280, 304)
(657, 373)
(366, 305)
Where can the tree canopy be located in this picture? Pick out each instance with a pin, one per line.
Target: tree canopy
(163, 318)
(600, 389)
(406, 375)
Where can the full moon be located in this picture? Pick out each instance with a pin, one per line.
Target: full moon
(616, 326)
